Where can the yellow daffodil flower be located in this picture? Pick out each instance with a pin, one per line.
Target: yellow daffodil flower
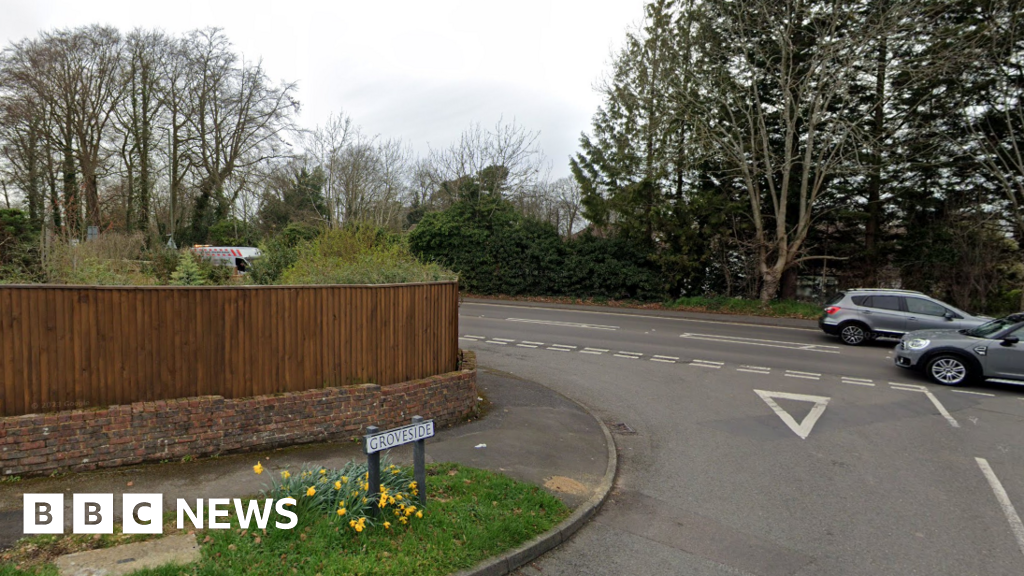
(344, 479)
(286, 475)
(419, 514)
(387, 525)
(341, 511)
(337, 485)
(311, 491)
(258, 468)
(323, 471)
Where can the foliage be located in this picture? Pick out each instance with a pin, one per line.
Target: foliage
(19, 253)
(233, 232)
(111, 259)
(470, 515)
(359, 255)
(187, 273)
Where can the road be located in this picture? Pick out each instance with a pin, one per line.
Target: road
(771, 451)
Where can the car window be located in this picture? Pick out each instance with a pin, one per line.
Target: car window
(884, 302)
(989, 329)
(920, 306)
(861, 300)
(835, 299)
(1019, 333)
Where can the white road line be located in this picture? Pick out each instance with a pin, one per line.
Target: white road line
(803, 373)
(568, 324)
(470, 339)
(590, 352)
(625, 356)
(597, 349)
(609, 313)
(762, 342)
(563, 346)
(526, 345)
(496, 342)
(663, 360)
(858, 383)
(935, 401)
(973, 393)
(560, 349)
(708, 362)
(666, 357)
(504, 339)
(865, 380)
(535, 343)
(704, 365)
(803, 428)
(1004, 502)
(755, 367)
(471, 336)
(752, 371)
(802, 376)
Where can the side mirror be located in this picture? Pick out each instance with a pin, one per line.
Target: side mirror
(1010, 340)
(949, 315)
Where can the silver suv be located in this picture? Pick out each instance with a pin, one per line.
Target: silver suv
(863, 314)
(992, 352)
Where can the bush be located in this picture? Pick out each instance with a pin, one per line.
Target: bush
(112, 259)
(19, 251)
(276, 257)
(359, 255)
(187, 273)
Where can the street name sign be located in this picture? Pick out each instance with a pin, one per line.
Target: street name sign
(398, 436)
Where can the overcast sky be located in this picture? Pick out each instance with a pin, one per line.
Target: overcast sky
(418, 70)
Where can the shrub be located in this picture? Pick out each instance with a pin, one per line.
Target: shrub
(111, 259)
(359, 255)
(187, 273)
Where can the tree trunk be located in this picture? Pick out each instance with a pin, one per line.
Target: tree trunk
(789, 283)
(770, 278)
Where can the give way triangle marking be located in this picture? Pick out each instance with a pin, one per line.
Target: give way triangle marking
(804, 428)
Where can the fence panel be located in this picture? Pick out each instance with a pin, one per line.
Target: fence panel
(63, 347)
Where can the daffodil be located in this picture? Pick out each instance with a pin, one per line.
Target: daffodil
(311, 491)
(337, 485)
(399, 497)
(344, 479)
(341, 511)
(258, 468)
(419, 514)
(323, 471)
(387, 525)
(286, 474)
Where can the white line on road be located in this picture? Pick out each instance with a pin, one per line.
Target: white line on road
(496, 342)
(752, 371)
(633, 353)
(706, 364)
(788, 375)
(568, 324)
(562, 346)
(590, 352)
(858, 383)
(597, 349)
(758, 342)
(534, 343)
(935, 401)
(803, 373)
(851, 380)
(504, 339)
(1004, 501)
(602, 313)
(471, 336)
(626, 356)
(666, 357)
(973, 393)
(470, 339)
(526, 345)
(663, 360)
(803, 428)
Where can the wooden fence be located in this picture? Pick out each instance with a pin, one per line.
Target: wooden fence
(65, 347)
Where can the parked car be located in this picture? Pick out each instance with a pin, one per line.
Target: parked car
(862, 314)
(990, 352)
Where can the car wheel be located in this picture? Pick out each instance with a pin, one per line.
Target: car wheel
(948, 370)
(854, 333)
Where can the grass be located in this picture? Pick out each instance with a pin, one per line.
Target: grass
(471, 515)
(712, 304)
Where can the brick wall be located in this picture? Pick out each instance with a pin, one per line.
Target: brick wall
(80, 440)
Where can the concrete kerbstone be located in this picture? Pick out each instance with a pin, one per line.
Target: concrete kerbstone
(515, 559)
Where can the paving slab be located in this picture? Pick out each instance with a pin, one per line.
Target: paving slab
(177, 549)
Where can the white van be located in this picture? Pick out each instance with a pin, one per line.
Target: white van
(238, 257)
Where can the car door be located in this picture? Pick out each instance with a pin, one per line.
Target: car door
(1005, 361)
(884, 314)
(927, 315)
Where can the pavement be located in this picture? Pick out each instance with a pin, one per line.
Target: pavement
(529, 432)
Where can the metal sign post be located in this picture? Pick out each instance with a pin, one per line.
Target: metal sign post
(378, 441)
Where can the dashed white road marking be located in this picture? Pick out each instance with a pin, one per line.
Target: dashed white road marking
(665, 360)
(754, 369)
(568, 324)
(706, 364)
(589, 351)
(856, 381)
(526, 345)
(504, 339)
(534, 343)
(628, 354)
(472, 336)
(804, 375)
(597, 349)
(666, 357)
(1016, 526)
(935, 401)
(759, 342)
(562, 346)
(973, 393)
(497, 342)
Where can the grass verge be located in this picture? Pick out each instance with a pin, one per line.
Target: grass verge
(471, 515)
(715, 305)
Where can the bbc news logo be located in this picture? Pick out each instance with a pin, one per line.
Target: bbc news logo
(144, 513)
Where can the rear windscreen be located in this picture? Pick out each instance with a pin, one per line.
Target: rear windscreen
(835, 299)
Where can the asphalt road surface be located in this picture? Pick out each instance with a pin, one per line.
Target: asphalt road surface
(771, 451)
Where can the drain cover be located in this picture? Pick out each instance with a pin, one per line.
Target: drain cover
(621, 428)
